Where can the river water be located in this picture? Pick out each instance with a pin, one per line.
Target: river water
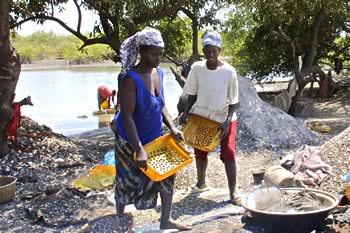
(60, 95)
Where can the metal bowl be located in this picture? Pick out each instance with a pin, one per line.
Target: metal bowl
(293, 222)
(7, 188)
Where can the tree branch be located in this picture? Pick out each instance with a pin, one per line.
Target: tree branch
(159, 14)
(173, 60)
(320, 72)
(99, 40)
(104, 22)
(45, 17)
(52, 8)
(165, 5)
(79, 16)
(188, 13)
(312, 51)
(112, 33)
(280, 34)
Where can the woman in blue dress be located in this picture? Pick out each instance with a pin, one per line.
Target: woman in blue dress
(142, 113)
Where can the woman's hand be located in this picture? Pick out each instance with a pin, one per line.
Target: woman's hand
(183, 118)
(225, 127)
(141, 158)
(178, 134)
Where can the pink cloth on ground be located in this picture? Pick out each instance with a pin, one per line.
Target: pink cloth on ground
(309, 167)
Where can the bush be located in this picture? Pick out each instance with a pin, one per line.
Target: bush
(39, 46)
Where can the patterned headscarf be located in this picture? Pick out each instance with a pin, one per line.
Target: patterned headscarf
(129, 48)
(212, 38)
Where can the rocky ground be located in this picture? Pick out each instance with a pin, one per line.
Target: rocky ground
(46, 163)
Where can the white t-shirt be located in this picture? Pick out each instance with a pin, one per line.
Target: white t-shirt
(215, 90)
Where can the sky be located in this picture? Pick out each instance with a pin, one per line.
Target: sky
(69, 16)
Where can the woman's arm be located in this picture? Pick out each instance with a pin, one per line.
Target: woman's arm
(168, 122)
(225, 126)
(127, 108)
(167, 118)
(190, 101)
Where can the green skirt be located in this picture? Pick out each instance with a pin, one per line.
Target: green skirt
(132, 186)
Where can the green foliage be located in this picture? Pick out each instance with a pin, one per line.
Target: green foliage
(257, 51)
(237, 31)
(176, 34)
(22, 9)
(118, 19)
(94, 53)
(39, 46)
(206, 12)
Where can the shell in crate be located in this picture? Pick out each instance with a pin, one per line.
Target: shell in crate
(202, 133)
(165, 158)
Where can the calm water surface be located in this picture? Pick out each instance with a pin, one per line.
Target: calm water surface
(61, 95)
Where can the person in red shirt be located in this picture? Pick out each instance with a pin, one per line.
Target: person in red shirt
(105, 93)
(15, 123)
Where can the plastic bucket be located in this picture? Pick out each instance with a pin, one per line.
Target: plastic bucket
(105, 104)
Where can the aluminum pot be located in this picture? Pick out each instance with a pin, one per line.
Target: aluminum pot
(7, 188)
(299, 222)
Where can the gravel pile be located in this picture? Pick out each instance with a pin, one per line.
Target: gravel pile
(45, 164)
(46, 158)
(336, 153)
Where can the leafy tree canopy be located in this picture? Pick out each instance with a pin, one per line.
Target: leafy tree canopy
(267, 29)
(118, 19)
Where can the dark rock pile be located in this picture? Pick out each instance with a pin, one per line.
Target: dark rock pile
(260, 125)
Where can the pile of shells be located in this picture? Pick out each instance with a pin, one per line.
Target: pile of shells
(336, 153)
(38, 154)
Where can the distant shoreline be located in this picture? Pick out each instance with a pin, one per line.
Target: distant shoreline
(48, 64)
(58, 63)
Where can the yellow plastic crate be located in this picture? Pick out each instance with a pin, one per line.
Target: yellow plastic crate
(202, 133)
(165, 158)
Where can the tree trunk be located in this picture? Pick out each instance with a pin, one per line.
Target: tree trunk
(10, 68)
(327, 84)
(294, 106)
(195, 37)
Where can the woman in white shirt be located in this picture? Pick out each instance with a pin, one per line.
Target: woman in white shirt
(212, 87)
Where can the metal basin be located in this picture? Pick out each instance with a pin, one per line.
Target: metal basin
(297, 222)
(7, 188)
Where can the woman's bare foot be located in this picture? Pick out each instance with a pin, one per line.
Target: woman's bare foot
(235, 200)
(171, 224)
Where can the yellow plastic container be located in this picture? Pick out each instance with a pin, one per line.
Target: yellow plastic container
(320, 127)
(105, 104)
(165, 158)
(347, 191)
(98, 112)
(111, 111)
(98, 177)
(202, 133)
